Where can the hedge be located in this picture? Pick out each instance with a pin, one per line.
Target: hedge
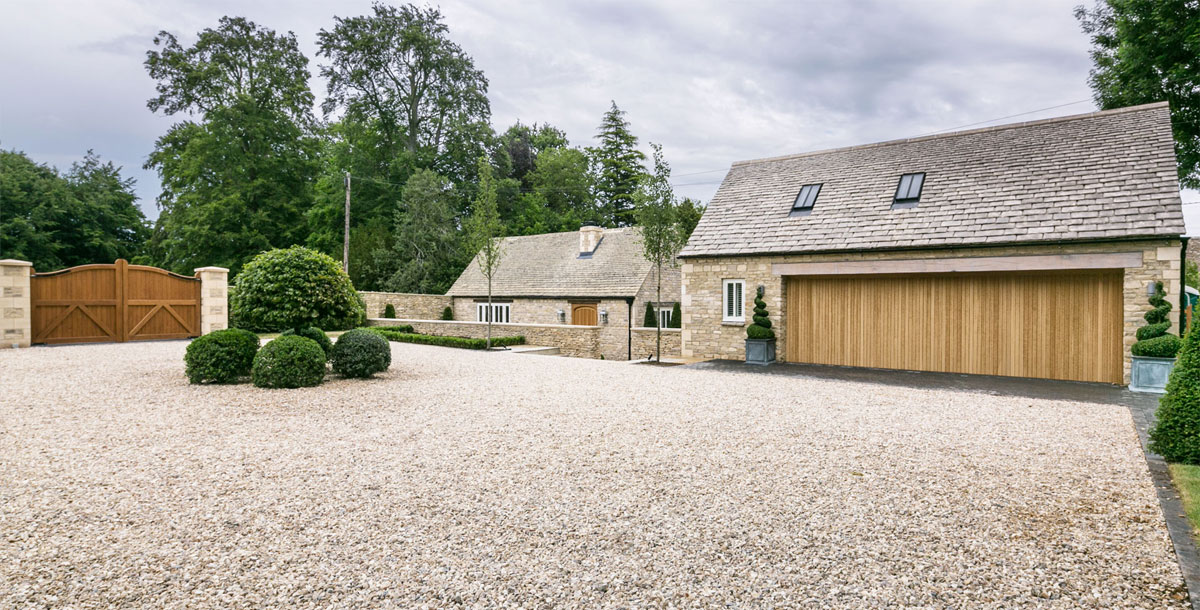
(1176, 435)
(463, 342)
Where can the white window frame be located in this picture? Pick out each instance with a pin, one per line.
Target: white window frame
(734, 311)
(664, 315)
(502, 311)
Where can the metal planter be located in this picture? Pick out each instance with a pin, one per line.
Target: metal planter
(1150, 374)
(760, 351)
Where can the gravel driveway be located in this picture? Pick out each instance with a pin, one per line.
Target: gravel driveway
(500, 480)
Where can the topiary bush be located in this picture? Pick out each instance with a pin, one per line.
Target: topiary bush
(1153, 340)
(676, 317)
(315, 334)
(291, 361)
(447, 313)
(761, 328)
(221, 356)
(1176, 436)
(293, 288)
(389, 311)
(361, 353)
(650, 320)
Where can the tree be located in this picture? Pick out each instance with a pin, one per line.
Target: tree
(426, 249)
(520, 147)
(657, 215)
(690, 211)
(676, 316)
(484, 232)
(619, 168)
(398, 70)
(1153, 340)
(560, 196)
(650, 320)
(89, 215)
(239, 180)
(1145, 51)
(1176, 435)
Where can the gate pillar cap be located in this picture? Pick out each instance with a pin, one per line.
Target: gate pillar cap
(210, 269)
(13, 261)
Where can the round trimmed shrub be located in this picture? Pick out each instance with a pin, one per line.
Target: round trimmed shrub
(290, 361)
(221, 356)
(294, 288)
(361, 353)
(315, 334)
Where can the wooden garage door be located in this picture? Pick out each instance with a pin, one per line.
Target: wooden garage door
(1056, 325)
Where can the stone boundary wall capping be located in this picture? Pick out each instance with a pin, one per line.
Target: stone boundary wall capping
(408, 306)
(214, 298)
(16, 313)
(571, 340)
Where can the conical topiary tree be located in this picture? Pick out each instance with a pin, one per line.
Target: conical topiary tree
(676, 317)
(761, 328)
(447, 313)
(1153, 339)
(389, 311)
(650, 320)
(1176, 436)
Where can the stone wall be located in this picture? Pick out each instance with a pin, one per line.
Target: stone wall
(578, 341)
(214, 298)
(644, 342)
(706, 336)
(16, 315)
(415, 306)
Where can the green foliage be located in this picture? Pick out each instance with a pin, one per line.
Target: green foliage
(1151, 331)
(560, 194)
(448, 313)
(657, 215)
(238, 180)
(650, 320)
(315, 334)
(1191, 274)
(42, 212)
(389, 311)
(619, 168)
(1165, 346)
(484, 231)
(361, 353)
(1153, 340)
(761, 328)
(1176, 435)
(402, 328)
(676, 317)
(463, 342)
(289, 361)
(690, 211)
(1145, 51)
(293, 288)
(426, 250)
(221, 356)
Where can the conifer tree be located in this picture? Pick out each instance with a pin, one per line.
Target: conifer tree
(619, 169)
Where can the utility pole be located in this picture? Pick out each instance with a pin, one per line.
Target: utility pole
(346, 232)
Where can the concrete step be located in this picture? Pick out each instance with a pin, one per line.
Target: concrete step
(536, 350)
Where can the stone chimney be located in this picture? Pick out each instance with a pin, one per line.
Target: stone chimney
(589, 238)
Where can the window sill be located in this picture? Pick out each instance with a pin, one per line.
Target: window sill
(733, 323)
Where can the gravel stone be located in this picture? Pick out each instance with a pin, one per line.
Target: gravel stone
(467, 479)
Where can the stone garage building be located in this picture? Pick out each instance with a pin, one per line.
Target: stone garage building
(1022, 250)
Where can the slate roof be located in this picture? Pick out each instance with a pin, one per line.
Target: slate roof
(1098, 176)
(548, 265)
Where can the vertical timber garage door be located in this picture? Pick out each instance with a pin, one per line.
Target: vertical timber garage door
(1055, 325)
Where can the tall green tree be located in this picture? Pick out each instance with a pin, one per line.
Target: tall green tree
(89, 215)
(238, 179)
(690, 211)
(1148, 51)
(484, 234)
(657, 213)
(619, 168)
(426, 250)
(560, 194)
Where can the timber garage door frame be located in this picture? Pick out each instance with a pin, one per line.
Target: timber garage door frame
(1043, 324)
(113, 303)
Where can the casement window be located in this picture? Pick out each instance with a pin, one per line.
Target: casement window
(733, 301)
(501, 312)
(805, 199)
(664, 316)
(908, 191)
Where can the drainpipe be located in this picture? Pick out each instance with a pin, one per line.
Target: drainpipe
(1183, 298)
(629, 324)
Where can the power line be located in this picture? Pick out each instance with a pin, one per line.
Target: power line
(1002, 118)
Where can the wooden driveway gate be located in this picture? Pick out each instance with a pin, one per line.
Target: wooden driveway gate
(117, 302)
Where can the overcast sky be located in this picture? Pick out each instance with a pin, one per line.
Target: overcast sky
(712, 82)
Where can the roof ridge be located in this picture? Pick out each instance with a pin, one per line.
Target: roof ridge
(576, 231)
(952, 134)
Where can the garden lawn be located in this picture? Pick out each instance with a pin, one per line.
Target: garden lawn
(477, 479)
(1187, 480)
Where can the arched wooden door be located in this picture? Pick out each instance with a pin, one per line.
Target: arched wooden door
(584, 314)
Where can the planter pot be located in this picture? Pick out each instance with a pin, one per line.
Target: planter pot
(760, 351)
(1150, 374)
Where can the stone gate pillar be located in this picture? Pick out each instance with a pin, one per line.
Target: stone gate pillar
(16, 315)
(214, 298)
